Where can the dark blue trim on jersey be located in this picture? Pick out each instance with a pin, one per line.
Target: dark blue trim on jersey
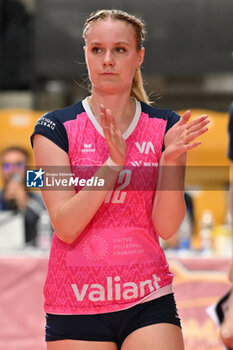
(230, 133)
(166, 114)
(51, 125)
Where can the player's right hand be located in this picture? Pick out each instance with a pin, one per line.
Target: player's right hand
(113, 136)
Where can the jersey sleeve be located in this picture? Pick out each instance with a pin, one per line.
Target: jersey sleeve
(51, 127)
(173, 118)
(230, 133)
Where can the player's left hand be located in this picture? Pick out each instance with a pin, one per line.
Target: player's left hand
(179, 139)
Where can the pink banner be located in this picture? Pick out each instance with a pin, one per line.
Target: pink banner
(198, 283)
(21, 303)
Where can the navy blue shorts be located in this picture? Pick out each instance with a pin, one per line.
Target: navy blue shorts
(112, 326)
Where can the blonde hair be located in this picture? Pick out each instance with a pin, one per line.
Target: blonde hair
(137, 89)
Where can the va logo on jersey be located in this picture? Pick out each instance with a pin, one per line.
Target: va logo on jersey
(35, 178)
(145, 147)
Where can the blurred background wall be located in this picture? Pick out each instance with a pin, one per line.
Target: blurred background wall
(188, 60)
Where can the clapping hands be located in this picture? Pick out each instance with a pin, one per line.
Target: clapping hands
(179, 139)
(113, 136)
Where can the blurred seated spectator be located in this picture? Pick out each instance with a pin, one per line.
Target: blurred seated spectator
(14, 196)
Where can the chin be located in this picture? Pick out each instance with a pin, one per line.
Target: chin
(109, 89)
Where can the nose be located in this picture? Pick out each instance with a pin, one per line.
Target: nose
(108, 58)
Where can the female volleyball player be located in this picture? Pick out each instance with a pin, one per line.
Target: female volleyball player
(108, 284)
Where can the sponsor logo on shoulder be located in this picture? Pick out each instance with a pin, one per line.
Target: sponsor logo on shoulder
(46, 122)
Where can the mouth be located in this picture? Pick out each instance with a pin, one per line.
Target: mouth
(108, 73)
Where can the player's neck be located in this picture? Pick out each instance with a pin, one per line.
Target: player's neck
(122, 108)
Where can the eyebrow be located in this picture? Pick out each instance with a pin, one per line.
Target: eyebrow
(117, 43)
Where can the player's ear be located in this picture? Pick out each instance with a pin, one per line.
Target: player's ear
(141, 56)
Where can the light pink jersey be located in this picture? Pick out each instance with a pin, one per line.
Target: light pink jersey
(117, 261)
